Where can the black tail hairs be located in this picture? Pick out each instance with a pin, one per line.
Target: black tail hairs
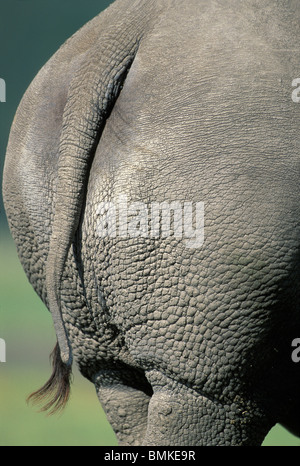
(55, 393)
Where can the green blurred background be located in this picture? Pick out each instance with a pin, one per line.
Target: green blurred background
(30, 32)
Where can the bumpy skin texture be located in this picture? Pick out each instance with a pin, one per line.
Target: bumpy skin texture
(161, 101)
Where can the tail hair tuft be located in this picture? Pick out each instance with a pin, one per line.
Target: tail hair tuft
(54, 394)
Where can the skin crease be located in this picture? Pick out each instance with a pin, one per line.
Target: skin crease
(164, 101)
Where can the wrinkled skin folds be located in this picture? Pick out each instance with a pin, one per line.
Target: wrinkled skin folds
(187, 343)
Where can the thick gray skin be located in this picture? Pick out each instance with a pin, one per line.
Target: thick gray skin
(185, 346)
